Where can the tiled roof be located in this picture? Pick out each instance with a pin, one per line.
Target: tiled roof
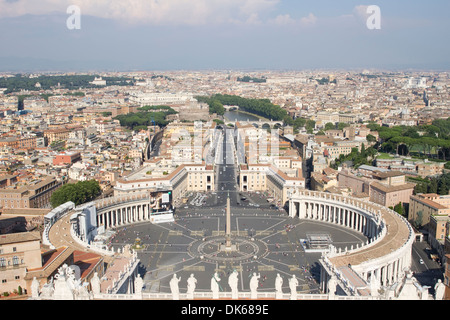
(19, 237)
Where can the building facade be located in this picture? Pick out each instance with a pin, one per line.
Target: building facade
(185, 178)
(35, 194)
(18, 253)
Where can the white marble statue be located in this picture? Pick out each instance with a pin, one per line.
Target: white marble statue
(409, 290)
(293, 283)
(374, 285)
(82, 292)
(64, 284)
(254, 282)
(215, 285)
(95, 284)
(47, 290)
(35, 288)
(174, 287)
(332, 285)
(138, 284)
(233, 283)
(191, 285)
(439, 290)
(278, 287)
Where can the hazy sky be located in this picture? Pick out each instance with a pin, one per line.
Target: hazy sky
(223, 34)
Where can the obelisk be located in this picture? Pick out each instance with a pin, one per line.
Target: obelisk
(228, 226)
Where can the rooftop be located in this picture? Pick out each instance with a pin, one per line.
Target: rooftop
(387, 189)
(19, 237)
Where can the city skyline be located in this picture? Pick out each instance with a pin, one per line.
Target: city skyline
(203, 35)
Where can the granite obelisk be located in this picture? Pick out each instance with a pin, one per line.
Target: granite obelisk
(228, 225)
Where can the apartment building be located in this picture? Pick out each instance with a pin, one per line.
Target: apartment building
(34, 194)
(423, 207)
(390, 195)
(387, 188)
(322, 181)
(267, 177)
(358, 184)
(54, 135)
(185, 178)
(66, 158)
(7, 180)
(347, 118)
(24, 143)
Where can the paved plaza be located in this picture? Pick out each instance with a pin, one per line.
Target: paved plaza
(269, 243)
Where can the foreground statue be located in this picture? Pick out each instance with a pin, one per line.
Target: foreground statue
(174, 287)
(215, 285)
(279, 287)
(233, 283)
(191, 285)
(293, 283)
(254, 282)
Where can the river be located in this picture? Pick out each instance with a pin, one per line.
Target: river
(239, 116)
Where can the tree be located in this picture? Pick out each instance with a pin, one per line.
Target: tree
(260, 107)
(371, 138)
(399, 209)
(419, 219)
(310, 125)
(442, 187)
(288, 120)
(216, 107)
(299, 123)
(433, 186)
(342, 125)
(78, 193)
(329, 126)
(420, 188)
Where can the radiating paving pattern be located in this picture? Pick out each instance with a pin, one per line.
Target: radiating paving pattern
(268, 243)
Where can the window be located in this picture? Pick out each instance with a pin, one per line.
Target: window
(2, 262)
(15, 260)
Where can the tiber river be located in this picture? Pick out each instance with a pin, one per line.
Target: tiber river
(239, 116)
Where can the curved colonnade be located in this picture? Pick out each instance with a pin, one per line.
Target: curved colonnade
(123, 210)
(381, 262)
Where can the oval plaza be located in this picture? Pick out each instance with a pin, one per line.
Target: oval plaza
(358, 271)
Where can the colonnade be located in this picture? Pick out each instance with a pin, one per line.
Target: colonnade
(350, 217)
(388, 274)
(390, 254)
(123, 214)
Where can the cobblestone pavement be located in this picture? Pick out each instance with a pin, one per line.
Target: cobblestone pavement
(173, 248)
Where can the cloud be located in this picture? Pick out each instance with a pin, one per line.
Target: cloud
(151, 12)
(283, 20)
(360, 12)
(287, 20)
(309, 20)
(253, 19)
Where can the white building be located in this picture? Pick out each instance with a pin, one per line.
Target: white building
(155, 99)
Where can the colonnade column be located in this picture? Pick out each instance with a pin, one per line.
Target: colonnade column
(124, 215)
